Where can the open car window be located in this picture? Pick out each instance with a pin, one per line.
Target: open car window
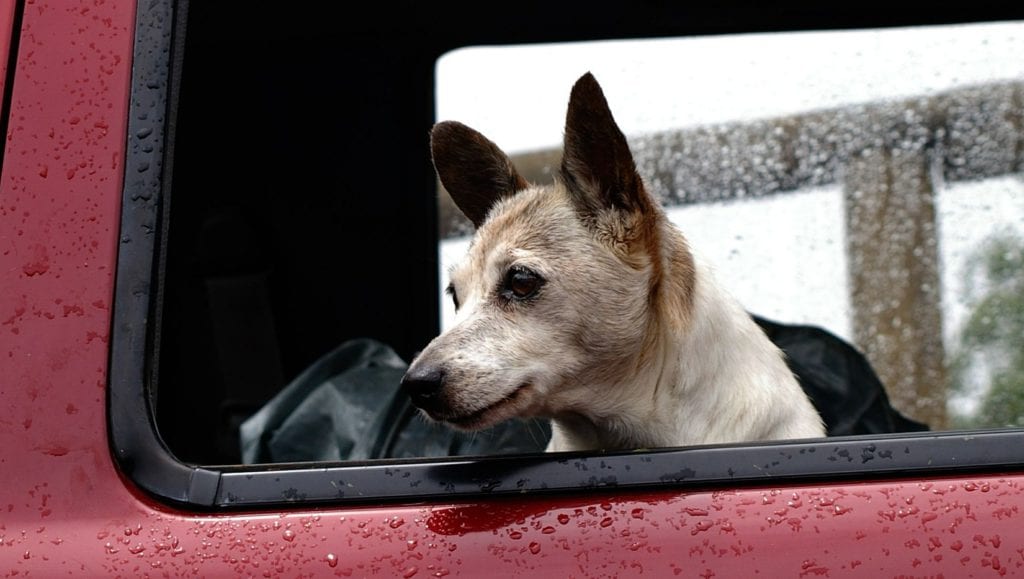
(866, 182)
(283, 262)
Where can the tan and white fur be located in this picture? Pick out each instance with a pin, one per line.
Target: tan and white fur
(580, 302)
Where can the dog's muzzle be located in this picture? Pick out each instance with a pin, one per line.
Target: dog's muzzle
(424, 385)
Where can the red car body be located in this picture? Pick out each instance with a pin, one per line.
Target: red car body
(67, 508)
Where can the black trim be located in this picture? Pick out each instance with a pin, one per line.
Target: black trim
(177, 55)
(819, 461)
(12, 69)
(134, 436)
(145, 459)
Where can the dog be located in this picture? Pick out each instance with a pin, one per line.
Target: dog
(582, 303)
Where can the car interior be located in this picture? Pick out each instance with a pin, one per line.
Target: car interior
(299, 242)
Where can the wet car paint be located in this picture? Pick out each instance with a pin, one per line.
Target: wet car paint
(959, 527)
(66, 509)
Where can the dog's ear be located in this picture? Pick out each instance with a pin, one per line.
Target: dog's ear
(474, 171)
(597, 165)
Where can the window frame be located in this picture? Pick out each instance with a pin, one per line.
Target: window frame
(146, 460)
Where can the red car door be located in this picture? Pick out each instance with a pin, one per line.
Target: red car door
(88, 490)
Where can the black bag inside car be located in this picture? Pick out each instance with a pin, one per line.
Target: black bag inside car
(839, 380)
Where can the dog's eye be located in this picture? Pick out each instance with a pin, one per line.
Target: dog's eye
(522, 283)
(450, 290)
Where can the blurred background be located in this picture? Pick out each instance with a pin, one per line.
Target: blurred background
(869, 182)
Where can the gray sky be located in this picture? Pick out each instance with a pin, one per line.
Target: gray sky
(516, 95)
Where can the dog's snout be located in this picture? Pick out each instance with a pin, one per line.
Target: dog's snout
(424, 385)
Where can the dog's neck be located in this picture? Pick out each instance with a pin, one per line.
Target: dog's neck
(644, 404)
(692, 386)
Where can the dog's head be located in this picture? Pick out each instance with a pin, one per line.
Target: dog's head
(555, 297)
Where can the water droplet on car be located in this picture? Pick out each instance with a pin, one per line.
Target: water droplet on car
(701, 526)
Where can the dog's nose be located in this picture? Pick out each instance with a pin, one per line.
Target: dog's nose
(424, 385)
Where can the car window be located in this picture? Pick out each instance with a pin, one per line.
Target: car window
(284, 241)
(866, 182)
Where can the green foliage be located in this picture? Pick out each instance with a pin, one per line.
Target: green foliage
(991, 345)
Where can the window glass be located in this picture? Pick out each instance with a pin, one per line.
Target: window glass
(866, 182)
